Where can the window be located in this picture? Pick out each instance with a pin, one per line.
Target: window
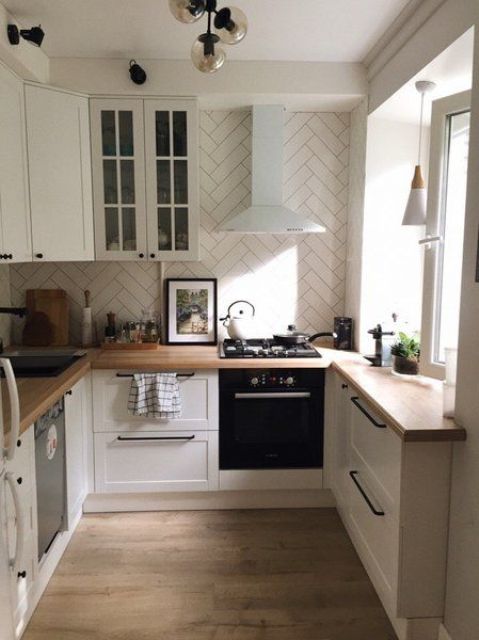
(445, 223)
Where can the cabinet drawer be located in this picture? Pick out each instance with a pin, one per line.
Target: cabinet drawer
(199, 400)
(157, 461)
(375, 535)
(378, 448)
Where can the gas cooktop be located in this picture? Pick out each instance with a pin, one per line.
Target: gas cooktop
(266, 348)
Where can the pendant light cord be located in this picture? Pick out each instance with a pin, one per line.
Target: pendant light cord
(420, 128)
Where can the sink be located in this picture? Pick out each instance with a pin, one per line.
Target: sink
(42, 364)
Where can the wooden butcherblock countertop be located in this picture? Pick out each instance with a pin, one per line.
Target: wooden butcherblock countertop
(413, 409)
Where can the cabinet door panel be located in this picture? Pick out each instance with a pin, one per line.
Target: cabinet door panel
(75, 441)
(15, 228)
(171, 157)
(60, 175)
(117, 138)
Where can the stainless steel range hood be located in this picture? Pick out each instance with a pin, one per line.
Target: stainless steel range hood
(267, 213)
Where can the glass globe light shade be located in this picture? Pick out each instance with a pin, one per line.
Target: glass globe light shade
(231, 25)
(207, 57)
(187, 11)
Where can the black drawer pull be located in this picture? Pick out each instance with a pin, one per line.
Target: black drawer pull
(180, 375)
(353, 475)
(22, 574)
(378, 425)
(344, 386)
(146, 438)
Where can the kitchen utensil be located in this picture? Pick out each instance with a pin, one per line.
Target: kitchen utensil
(297, 337)
(343, 327)
(38, 330)
(54, 304)
(239, 320)
(87, 322)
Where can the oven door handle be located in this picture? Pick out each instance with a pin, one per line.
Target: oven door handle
(265, 395)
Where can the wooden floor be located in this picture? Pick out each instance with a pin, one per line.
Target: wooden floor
(211, 575)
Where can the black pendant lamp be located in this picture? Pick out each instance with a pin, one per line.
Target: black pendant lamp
(230, 27)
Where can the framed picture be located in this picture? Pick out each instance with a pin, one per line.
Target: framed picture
(191, 315)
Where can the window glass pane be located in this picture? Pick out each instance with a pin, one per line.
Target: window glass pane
(126, 133)
(112, 232)
(163, 181)
(452, 230)
(164, 229)
(162, 133)
(181, 229)
(127, 182)
(109, 182)
(128, 223)
(181, 181)
(108, 132)
(179, 133)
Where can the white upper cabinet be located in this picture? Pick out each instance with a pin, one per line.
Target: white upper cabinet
(117, 137)
(60, 174)
(145, 181)
(15, 232)
(171, 148)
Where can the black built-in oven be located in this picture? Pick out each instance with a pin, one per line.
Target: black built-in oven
(271, 418)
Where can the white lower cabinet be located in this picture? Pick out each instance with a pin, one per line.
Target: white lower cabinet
(393, 497)
(143, 455)
(126, 462)
(77, 421)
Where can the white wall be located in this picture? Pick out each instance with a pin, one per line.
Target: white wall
(392, 259)
(462, 611)
(309, 86)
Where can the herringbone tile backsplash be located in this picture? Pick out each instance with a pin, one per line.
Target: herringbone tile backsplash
(289, 279)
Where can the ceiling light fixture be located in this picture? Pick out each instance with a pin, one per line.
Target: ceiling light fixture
(230, 26)
(137, 73)
(415, 213)
(34, 35)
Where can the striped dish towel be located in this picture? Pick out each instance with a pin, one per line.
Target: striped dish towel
(154, 395)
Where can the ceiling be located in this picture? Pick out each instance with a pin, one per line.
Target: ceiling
(452, 73)
(305, 30)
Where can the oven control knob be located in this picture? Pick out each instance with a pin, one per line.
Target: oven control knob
(289, 380)
(254, 381)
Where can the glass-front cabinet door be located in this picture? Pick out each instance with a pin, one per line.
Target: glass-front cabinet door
(171, 158)
(119, 179)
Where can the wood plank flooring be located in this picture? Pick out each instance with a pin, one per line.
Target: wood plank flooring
(210, 575)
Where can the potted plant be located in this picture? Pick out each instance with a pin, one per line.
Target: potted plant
(405, 354)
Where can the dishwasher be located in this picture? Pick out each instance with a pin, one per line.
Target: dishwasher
(50, 475)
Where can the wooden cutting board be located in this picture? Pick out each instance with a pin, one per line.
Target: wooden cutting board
(53, 304)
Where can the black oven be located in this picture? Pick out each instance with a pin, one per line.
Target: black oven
(271, 419)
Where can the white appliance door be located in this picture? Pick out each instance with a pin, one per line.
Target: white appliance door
(9, 452)
(6, 613)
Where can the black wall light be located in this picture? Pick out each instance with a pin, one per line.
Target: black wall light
(137, 73)
(34, 35)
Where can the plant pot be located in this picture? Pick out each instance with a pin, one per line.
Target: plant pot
(406, 366)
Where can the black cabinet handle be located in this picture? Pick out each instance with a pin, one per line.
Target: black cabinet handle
(152, 255)
(353, 475)
(22, 574)
(141, 255)
(378, 425)
(19, 480)
(39, 255)
(6, 256)
(147, 438)
(69, 393)
(180, 375)
(19, 443)
(344, 386)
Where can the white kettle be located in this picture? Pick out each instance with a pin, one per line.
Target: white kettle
(239, 320)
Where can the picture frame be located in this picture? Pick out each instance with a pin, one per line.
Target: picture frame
(191, 311)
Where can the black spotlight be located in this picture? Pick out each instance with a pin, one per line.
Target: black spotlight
(137, 74)
(34, 35)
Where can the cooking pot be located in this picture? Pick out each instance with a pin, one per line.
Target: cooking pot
(239, 320)
(297, 337)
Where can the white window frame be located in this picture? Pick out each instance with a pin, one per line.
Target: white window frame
(436, 202)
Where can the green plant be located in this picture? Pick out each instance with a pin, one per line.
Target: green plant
(406, 347)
